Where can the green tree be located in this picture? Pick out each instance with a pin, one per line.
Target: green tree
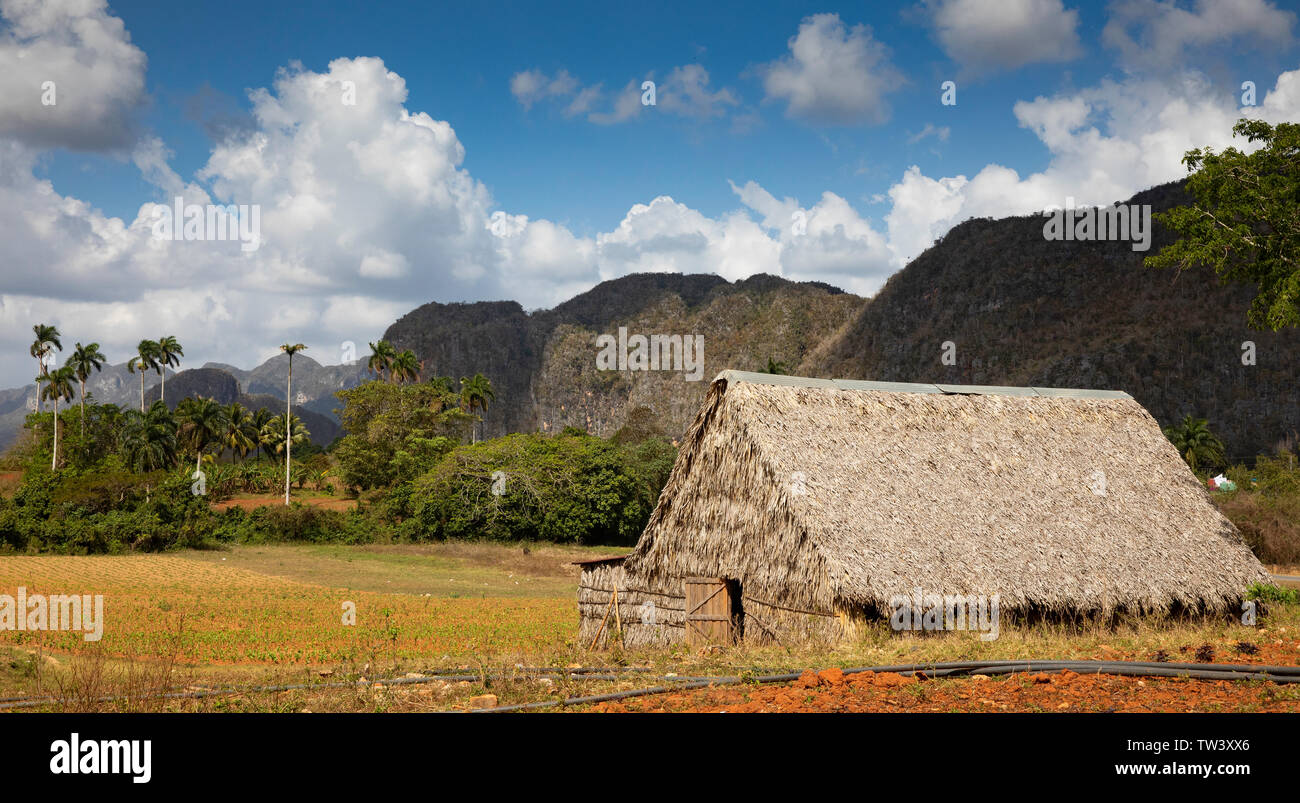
(405, 367)
(565, 488)
(290, 349)
(775, 367)
(202, 422)
(384, 421)
(169, 354)
(58, 385)
(47, 340)
(146, 359)
(273, 433)
(382, 355)
(1200, 447)
(260, 418)
(149, 438)
(1245, 219)
(443, 384)
(84, 361)
(242, 434)
(475, 393)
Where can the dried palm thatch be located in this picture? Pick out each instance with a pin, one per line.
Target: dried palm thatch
(825, 499)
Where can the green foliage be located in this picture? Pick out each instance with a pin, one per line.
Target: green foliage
(242, 434)
(382, 356)
(567, 488)
(1266, 507)
(109, 486)
(406, 367)
(295, 523)
(475, 394)
(273, 432)
(1267, 592)
(395, 432)
(1243, 223)
(150, 439)
(104, 510)
(1200, 447)
(650, 461)
(202, 422)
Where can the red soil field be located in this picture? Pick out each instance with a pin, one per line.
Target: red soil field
(831, 691)
(263, 500)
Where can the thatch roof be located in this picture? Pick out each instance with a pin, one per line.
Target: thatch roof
(836, 495)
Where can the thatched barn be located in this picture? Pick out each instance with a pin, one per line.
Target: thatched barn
(800, 507)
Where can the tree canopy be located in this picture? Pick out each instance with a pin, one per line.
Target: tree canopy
(1245, 219)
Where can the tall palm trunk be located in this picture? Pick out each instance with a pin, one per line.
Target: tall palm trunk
(142, 390)
(288, 429)
(162, 393)
(83, 408)
(54, 463)
(40, 369)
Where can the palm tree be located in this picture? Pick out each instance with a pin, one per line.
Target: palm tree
(273, 433)
(476, 392)
(382, 355)
(774, 367)
(241, 435)
(444, 384)
(406, 367)
(1196, 443)
(260, 417)
(149, 438)
(202, 422)
(146, 359)
(288, 413)
(83, 361)
(58, 385)
(47, 339)
(169, 350)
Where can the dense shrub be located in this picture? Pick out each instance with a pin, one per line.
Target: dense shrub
(296, 522)
(104, 511)
(1266, 508)
(396, 432)
(567, 488)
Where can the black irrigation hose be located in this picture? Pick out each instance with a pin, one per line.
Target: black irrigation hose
(585, 673)
(1276, 674)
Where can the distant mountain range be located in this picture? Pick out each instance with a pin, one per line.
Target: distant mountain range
(543, 365)
(1021, 310)
(314, 385)
(1017, 309)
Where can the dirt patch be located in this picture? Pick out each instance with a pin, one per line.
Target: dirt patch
(831, 691)
(9, 482)
(265, 500)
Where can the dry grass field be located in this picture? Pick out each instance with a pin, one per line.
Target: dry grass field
(259, 615)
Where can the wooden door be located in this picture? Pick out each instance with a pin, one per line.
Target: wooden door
(708, 611)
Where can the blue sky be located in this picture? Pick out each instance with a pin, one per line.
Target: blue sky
(470, 111)
(458, 68)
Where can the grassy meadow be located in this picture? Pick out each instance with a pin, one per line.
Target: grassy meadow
(258, 615)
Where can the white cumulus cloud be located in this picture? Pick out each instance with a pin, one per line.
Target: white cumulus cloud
(75, 54)
(984, 36)
(833, 74)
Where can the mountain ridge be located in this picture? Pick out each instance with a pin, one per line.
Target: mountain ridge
(1016, 308)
